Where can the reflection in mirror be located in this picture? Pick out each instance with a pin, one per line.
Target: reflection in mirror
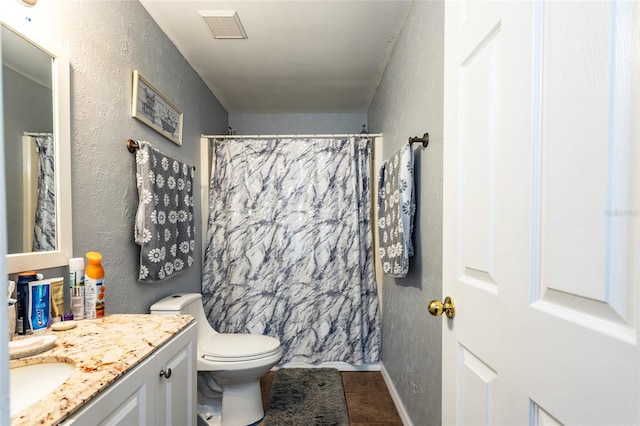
(29, 145)
(37, 148)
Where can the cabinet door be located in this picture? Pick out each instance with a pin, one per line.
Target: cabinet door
(176, 391)
(130, 401)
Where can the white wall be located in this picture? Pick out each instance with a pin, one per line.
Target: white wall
(409, 102)
(288, 124)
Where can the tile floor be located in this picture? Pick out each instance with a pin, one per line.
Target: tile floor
(368, 400)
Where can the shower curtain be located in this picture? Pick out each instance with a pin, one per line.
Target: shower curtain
(44, 230)
(289, 250)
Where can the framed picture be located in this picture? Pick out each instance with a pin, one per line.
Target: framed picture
(153, 108)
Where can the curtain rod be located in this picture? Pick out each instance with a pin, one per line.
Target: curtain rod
(37, 134)
(339, 135)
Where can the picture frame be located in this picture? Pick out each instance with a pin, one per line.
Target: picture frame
(153, 108)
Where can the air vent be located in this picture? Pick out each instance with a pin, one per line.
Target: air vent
(223, 23)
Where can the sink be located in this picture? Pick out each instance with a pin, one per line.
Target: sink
(30, 383)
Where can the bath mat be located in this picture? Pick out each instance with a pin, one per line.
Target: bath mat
(306, 396)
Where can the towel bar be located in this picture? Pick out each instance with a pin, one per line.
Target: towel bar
(424, 139)
(132, 146)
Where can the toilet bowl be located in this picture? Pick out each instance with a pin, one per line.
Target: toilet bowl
(231, 364)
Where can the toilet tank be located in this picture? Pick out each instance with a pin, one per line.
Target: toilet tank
(176, 304)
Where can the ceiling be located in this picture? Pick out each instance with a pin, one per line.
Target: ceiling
(301, 56)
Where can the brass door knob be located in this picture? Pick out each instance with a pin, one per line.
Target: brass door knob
(436, 308)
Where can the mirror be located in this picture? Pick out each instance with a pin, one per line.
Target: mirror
(29, 150)
(36, 118)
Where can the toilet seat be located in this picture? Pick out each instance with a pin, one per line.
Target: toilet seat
(237, 347)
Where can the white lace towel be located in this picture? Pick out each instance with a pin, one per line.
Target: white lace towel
(164, 221)
(396, 210)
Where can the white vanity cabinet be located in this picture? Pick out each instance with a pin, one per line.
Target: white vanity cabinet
(176, 378)
(161, 390)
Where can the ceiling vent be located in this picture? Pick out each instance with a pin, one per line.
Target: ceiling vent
(223, 23)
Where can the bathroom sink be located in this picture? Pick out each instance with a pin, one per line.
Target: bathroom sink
(30, 383)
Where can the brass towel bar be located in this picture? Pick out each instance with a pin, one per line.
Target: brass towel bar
(132, 145)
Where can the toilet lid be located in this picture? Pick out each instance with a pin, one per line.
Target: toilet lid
(238, 347)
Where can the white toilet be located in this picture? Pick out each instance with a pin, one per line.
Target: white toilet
(229, 363)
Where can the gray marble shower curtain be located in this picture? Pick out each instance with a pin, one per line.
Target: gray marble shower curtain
(289, 249)
(44, 229)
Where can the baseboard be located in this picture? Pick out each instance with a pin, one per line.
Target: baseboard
(402, 411)
(341, 366)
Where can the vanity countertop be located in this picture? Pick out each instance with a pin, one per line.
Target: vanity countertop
(102, 350)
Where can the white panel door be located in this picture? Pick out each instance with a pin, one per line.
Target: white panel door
(542, 213)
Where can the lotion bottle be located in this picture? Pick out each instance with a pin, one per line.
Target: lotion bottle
(76, 287)
(94, 286)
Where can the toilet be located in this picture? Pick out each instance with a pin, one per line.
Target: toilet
(231, 364)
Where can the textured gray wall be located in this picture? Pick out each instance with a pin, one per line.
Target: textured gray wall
(409, 102)
(106, 41)
(287, 124)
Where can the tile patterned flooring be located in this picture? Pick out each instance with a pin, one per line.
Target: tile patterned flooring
(368, 400)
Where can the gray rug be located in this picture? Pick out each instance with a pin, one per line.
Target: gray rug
(306, 396)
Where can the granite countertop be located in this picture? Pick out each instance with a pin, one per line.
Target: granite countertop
(102, 350)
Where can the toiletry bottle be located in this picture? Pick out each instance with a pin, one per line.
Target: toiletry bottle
(76, 285)
(56, 303)
(94, 287)
(22, 319)
(39, 302)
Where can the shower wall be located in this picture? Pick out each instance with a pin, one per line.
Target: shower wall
(288, 124)
(409, 102)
